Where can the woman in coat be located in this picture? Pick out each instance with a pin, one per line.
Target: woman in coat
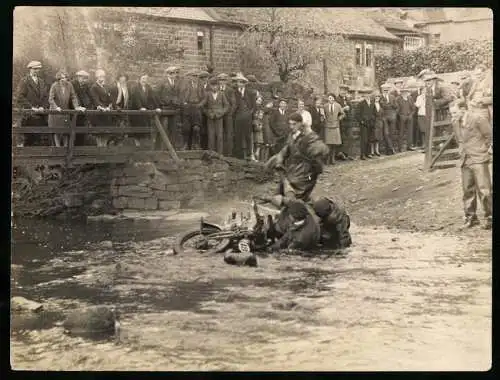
(333, 115)
(61, 95)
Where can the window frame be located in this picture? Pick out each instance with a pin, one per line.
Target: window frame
(368, 48)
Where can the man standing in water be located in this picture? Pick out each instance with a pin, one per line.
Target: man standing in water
(302, 159)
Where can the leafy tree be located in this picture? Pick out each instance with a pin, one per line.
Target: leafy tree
(286, 41)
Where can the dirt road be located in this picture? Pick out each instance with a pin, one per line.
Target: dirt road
(414, 293)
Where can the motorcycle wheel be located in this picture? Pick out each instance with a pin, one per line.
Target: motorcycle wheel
(181, 245)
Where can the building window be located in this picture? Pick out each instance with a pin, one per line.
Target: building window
(436, 37)
(200, 35)
(368, 55)
(359, 55)
(413, 43)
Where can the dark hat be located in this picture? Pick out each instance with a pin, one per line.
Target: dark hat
(192, 73)
(252, 78)
(297, 210)
(283, 100)
(213, 81)
(365, 91)
(322, 207)
(296, 117)
(455, 82)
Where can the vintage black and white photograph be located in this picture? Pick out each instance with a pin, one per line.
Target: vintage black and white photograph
(251, 189)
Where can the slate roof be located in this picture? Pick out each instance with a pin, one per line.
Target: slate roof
(187, 13)
(348, 21)
(390, 20)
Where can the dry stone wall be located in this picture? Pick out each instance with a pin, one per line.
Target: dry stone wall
(156, 182)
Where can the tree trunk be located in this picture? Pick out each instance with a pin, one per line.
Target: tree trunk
(325, 76)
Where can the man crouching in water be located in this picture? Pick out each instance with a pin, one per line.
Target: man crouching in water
(334, 223)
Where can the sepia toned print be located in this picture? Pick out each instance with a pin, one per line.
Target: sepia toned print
(243, 189)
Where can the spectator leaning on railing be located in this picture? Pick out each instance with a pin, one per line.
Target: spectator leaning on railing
(33, 94)
(61, 96)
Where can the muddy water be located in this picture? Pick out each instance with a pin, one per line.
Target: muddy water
(397, 301)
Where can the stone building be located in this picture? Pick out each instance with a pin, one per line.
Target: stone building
(452, 24)
(144, 39)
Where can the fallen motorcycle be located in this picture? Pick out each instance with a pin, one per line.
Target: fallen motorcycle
(236, 235)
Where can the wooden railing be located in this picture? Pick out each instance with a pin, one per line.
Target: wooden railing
(71, 154)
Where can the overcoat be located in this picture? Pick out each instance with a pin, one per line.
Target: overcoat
(332, 124)
(63, 95)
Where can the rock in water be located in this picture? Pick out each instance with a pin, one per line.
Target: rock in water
(97, 321)
(241, 259)
(21, 304)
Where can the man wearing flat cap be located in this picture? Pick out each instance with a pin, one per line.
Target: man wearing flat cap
(243, 117)
(193, 95)
(169, 97)
(228, 91)
(406, 110)
(366, 119)
(398, 85)
(33, 94)
(82, 89)
(480, 96)
(278, 124)
(390, 107)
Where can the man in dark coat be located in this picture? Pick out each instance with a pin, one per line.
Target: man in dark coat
(345, 123)
(334, 222)
(474, 135)
(228, 92)
(297, 228)
(366, 120)
(33, 94)
(169, 97)
(390, 107)
(82, 90)
(203, 80)
(243, 114)
(142, 98)
(302, 159)
(103, 101)
(278, 123)
(215, 106)
(317, 116)
(193, 95)
(406, 110)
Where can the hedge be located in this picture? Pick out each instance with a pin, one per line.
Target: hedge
(442, 58)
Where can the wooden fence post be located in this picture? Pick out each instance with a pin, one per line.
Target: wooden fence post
(165, 138)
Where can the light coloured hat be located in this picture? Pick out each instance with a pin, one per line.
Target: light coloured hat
(239, 76)
(203, 74)
(405, 89)
(82, 73)
(252, 78)
(99, 72)
(424, 72)
(192, 73)
(223, 76)
(399, 80)
(386, 86)
(344, 86)
(430, 76)
(34, 65)
(171, 69)
(365, 90)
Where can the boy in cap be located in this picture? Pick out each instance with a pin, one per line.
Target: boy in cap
(215, 106)
(33, 94)
(228, 91)
(191, 112)
(406, 109)
(243, 114)
(169, 97)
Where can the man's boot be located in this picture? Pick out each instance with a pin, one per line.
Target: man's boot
(470, 222)
(488, 223)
